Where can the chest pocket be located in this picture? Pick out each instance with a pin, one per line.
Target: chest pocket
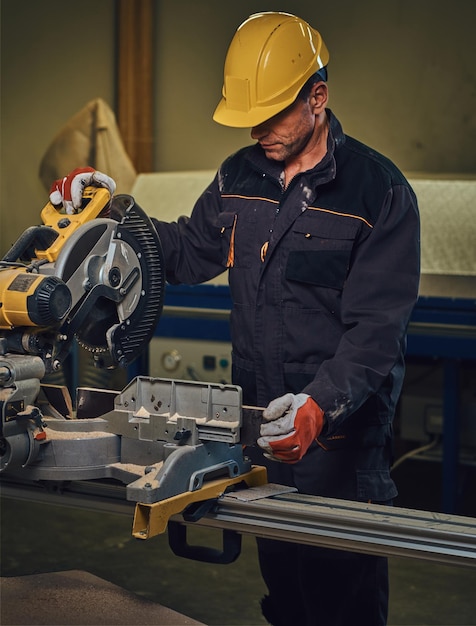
(237, 232)
(320, 249)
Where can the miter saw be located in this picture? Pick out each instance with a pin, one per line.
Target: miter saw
(97, 278)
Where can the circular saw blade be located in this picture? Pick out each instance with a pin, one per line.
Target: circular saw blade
(114, 268)
(119, 269)
(92, 335)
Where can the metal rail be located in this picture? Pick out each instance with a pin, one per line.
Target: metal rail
(354, 526)
(312, 520)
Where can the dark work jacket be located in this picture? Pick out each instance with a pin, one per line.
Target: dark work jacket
(323, 277)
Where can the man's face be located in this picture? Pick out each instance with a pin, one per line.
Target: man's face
(286, 134)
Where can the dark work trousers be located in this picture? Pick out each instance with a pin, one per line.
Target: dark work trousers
(310, 586)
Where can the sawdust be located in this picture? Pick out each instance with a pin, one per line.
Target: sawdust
(76, 434)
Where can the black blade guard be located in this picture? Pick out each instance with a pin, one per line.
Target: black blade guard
(127, 339)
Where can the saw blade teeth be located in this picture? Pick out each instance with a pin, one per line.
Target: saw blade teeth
(92, 349)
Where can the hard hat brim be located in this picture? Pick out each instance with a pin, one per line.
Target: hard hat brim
(247, 119)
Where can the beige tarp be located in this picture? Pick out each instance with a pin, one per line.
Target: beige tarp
(91, 137)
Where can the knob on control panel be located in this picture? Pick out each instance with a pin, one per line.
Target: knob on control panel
(171, 360)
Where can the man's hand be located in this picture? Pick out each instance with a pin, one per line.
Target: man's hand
(68, 191)
(294, 422)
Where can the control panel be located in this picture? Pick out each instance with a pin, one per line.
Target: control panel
(190, 359)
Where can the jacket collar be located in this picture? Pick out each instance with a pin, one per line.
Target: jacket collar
(324, 171)
(335, 128)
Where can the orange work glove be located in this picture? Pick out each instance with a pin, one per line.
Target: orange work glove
(293, 423)
(68, 191)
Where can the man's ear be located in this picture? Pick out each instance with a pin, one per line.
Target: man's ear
(319, 97)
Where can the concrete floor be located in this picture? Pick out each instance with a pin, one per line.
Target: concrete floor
(78, 598)
(39, 538)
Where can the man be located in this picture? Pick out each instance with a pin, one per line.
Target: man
(320, 236)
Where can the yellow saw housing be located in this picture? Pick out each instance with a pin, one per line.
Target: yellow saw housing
(94, 199)
(28, 299)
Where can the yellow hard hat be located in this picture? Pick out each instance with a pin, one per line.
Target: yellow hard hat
(269, 59)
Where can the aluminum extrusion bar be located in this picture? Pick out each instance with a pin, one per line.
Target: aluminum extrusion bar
(354, 526)
(337, 524)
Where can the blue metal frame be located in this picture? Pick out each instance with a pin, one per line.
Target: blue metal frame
(445, 329)
(201, 297)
